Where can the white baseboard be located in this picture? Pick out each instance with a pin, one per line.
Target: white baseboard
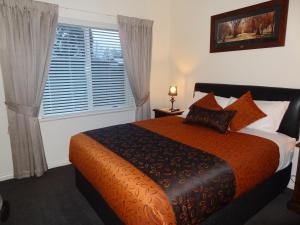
(58, 164)
(6, 177)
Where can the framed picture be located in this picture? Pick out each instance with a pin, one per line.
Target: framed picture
(258, 26)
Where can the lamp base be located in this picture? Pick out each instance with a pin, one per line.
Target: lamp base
(172, 100)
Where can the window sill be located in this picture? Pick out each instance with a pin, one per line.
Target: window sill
(86, 114)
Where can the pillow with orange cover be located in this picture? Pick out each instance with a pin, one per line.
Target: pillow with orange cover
(208, 102)
(247, 112)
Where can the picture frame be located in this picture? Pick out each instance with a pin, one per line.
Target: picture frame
(258, 26)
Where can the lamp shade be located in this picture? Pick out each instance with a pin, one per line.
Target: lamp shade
(173, 91)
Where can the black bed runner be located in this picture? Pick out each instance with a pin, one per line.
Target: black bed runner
(196, 183)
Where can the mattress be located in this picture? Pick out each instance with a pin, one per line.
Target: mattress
(285, 144)
(161, 182)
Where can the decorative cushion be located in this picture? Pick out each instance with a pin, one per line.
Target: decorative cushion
(274, 110)
(208, 102)
(218, 120)
(247, 112)
(223, 102)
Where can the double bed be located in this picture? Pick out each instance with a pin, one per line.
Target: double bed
(164, 171)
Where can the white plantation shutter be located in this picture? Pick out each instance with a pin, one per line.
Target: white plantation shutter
(86, 72)
(108, 80)
(66, 89)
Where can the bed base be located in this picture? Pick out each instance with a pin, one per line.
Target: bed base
(235, 213)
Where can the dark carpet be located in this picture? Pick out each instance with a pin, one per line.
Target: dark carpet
(54, 200)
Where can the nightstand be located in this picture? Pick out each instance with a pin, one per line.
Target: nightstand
(294, 203)
(166, 112)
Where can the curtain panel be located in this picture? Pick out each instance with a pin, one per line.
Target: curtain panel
(136, 43)
(27, 35)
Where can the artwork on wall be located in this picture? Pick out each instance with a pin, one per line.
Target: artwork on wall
(258, 26)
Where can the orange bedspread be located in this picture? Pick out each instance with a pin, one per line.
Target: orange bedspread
(136, 199)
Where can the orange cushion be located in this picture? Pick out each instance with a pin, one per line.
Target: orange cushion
(208, 102)
(247, 112)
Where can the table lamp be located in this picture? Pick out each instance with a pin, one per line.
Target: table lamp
(172, 93)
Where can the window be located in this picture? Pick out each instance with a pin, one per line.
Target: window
(86, 72)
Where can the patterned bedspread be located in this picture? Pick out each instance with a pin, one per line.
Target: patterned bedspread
(149, 175)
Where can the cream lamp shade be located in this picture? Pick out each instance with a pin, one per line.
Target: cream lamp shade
(173, 91)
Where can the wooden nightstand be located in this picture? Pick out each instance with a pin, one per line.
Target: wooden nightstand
(294, 203)
(166, 112)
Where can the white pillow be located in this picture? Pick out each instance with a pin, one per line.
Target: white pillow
(223, 102)
(275, 111)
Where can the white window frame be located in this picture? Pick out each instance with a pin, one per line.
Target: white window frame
(129, 107)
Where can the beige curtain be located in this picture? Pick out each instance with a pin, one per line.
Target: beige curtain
(26, 39)
(136, 42)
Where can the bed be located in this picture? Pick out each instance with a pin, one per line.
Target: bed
(107, 174)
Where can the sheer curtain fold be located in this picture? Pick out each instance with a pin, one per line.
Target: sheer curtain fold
(136, 43)
(27, 35)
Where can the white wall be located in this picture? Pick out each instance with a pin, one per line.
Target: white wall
(191, 61)
(56, 133)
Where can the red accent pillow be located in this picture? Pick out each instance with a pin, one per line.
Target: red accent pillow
(208, 102)
(247, 112)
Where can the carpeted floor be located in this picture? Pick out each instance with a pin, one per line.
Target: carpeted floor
(54, 200)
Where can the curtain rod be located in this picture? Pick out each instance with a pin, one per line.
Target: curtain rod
(86, 11)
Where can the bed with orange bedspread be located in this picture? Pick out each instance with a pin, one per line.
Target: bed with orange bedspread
(164, 171)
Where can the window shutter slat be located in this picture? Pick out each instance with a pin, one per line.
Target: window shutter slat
(108, 75)
(86, 72)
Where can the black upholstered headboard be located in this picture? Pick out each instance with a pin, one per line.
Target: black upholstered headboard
(290, 123)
